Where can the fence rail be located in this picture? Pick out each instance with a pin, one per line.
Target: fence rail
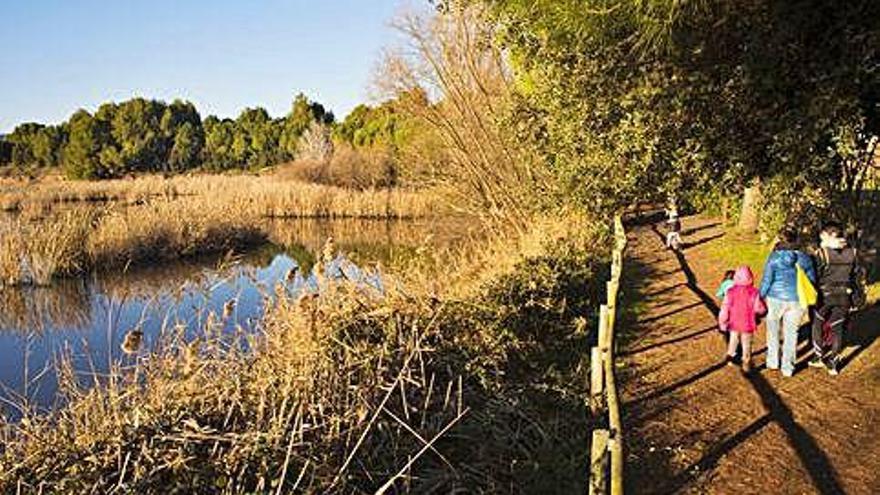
(606, 454)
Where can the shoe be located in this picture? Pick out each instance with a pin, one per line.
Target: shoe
(833, 367)
(746, 366)
(817, 362)
(729, 360)
(788, 374)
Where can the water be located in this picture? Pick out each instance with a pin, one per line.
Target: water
(87, 319)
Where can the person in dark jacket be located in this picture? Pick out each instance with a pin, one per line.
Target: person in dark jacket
(837, 273)
(784, 311)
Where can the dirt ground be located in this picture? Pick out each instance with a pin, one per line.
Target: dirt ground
(694, 425)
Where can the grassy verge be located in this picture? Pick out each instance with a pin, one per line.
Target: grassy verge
(479, 388)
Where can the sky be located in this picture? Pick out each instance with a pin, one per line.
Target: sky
(57, 56)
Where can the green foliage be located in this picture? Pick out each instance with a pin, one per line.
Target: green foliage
(733, 251)
(141, 135)
(31, 146)
(368, 126)
(85, 150)
(631, 100)
(302, 113)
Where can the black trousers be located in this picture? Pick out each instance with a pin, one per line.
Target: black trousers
(835, 317)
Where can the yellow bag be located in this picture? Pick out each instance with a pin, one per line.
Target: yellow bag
(806, 292)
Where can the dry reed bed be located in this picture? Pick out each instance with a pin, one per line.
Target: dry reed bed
(340, 394)
(165, 219)
(33, 253)
(268, 195)
(42, 194)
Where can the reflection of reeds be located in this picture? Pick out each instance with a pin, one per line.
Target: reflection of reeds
(63, 305)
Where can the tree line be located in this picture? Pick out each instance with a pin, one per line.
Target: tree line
(151, 136)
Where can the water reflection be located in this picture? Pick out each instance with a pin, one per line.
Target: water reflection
(35, 309)
(89, 319)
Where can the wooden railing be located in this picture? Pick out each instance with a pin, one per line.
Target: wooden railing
(606, 455)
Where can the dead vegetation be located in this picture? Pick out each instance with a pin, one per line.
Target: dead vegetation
(421, 391)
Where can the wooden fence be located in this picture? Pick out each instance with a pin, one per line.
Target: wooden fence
(606, 455)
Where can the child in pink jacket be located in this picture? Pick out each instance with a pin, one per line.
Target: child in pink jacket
(739, 315)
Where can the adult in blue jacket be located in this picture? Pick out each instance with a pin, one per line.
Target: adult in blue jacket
(779, 290)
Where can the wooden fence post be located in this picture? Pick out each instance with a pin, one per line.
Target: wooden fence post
(599, 463)
(607, 446)
(597, 380)
(603, 328)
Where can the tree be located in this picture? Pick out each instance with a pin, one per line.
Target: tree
(183, 136)
(136, 129)
(315, 143)
(302, 113)
(5, 151)
(187, 146)
(629, 98)
(87, 135)
(219, 137)
(33, 145)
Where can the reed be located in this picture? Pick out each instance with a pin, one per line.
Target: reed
(343, 393)
(170, 229)
(153, 219)
(268, 195)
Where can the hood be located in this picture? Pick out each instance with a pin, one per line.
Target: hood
(786, 257)
(743, 276)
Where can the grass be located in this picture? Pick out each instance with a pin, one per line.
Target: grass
(152, 219)
(736, 249)
(269, 195)
(475, 387)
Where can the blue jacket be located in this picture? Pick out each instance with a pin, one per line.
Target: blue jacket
(780, 275)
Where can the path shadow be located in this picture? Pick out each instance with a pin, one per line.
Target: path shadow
(862, 333)
(663, 343)
(669, 313)
(694, 230)
(677, 385)
(704, 240)
(691, 279)
(664, 290)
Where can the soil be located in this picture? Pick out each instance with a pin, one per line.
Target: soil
(694, 425)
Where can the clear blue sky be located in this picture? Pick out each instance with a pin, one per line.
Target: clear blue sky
(60, 55)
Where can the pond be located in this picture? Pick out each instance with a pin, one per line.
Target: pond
(87, 319)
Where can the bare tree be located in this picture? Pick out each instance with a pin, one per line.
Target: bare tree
(315, 143)
(451, 76)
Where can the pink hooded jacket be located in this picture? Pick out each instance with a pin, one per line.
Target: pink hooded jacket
(742, 305)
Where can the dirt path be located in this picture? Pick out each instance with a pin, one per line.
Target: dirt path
(694, 425)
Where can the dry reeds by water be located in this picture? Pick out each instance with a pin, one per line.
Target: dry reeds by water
(269, 195)
(342, 393)
(154, 219)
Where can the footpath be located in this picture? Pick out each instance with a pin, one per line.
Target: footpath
(694, 425)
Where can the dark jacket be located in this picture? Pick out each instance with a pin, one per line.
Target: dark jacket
(780, 274)
(837, 273)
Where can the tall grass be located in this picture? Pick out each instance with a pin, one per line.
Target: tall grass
(172, 229)
(344, 393)
(269, 195)
(182, 217)
(35, 253)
